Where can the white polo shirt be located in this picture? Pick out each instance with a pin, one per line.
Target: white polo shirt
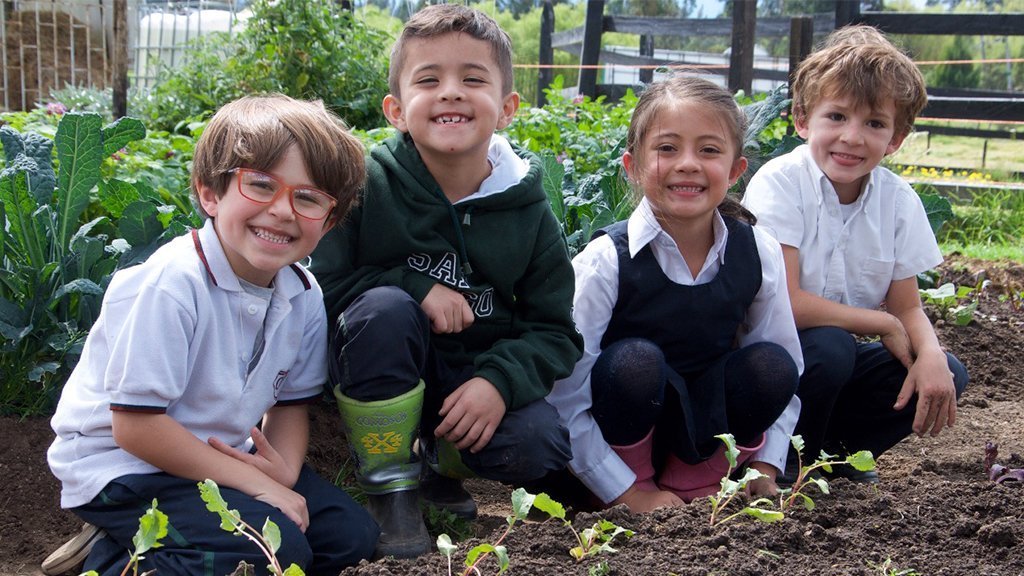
(769, 319)
(884, 237)
(175, 335)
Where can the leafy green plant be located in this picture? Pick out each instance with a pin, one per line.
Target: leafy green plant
(730, 489)
(303, 49)
(55, 267)
(768, 131)
(522, 502)
(152, 529)
(809, 476)
(268, 540)
(596, 539)
(952, 303)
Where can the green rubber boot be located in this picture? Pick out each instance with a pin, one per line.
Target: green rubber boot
(381, 435)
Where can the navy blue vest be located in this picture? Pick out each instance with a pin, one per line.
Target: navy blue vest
(693, 325)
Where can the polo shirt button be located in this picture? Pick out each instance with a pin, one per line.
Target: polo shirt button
(253, 309)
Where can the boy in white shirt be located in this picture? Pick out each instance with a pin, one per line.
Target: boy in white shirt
(217, 331)
(854, 237)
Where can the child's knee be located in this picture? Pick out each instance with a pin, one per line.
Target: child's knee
(830, 354)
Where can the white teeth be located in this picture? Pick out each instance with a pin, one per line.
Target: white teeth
(688, 189)
(450, 119)
(269, 237)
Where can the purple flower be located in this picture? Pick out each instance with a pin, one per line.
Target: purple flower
(56, 109)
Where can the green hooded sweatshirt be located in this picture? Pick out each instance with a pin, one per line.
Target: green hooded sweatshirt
(504, 252)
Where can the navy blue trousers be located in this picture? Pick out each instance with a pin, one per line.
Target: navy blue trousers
(381, 349)
(847, 392)
(340, 533)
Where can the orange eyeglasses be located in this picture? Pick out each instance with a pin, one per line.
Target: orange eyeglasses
(263, 188)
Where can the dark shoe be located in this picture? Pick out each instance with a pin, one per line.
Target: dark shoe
(402, 532)
(72, 553)
(447, 494)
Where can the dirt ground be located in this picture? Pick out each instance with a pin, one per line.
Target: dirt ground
(935, 512)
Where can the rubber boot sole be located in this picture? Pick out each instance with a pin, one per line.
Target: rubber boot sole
(402, 531)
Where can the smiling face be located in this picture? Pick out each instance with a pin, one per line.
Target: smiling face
(848, 141)
(685, 163)
(451, 99)
(260, 239)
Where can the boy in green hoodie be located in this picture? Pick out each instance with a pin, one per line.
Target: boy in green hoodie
(450, 287)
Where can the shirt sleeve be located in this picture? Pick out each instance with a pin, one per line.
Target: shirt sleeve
(770, 319)
(593, 461)
(773, 195)
(916, 248)
(309, 373)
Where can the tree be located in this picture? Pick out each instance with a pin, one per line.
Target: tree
(956, 75)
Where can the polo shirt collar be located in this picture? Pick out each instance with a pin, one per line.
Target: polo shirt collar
(288, 282)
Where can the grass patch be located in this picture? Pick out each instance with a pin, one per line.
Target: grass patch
(1001, 159)
(985, 251)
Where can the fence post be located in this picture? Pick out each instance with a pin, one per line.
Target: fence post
(847, 13)
(120, 59)
(646, 49)
(593, 26)
(547, 53)
(801, 37)
(741, 60)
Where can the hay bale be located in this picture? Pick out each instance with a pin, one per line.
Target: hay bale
(47, 50)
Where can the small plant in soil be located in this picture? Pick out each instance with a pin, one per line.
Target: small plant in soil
(953, 304)
(522, 501)
(997, 472)
(730, 489)
(268, 540)
(597, 539)
(152, 528)
(810, 475)
(887, 569)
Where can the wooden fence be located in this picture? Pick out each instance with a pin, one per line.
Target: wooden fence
(744, 27)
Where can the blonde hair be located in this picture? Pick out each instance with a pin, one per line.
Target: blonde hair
(859, 62)
(713, 99)
(256, 131)
(441, 19)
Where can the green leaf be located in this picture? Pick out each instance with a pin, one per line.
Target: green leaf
(152, 528)
(271, 535)
(12, 141)
(210, 493)
(551, 507)
(964, 314)
(25, 233)
(115, 195)
(477, 550)
(807, 502)
(79, 153)
(798, 443)
(938, 209)
(522, 501)
(764, 515)
(502, 555)
(445, 546)
(821, 483)
(120, 133)
(552, 182)
(78, 286)
(293, 570)
(731, 452)
(140, 223)
(862, 461)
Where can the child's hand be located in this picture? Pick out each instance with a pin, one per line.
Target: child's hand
(471, 415)
(765, 485)
(291, 503)
(929, 377)
(897, 342)
(448, 310)
(644, 501)
(266, 459)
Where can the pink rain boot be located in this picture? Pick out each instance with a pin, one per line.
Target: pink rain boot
(638, 457)
(692, 481)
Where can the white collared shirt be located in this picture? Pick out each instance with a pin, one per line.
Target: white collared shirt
(175, 335)
(854, 260)
(769, 319)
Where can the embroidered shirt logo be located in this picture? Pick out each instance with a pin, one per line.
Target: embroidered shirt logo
(279, 382)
